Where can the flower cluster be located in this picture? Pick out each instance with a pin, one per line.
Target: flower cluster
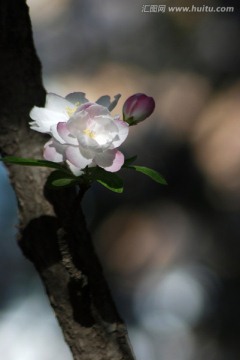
(85, 134)
(82, 133)
(85, 138)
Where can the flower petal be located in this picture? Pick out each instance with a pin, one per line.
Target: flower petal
(76, 158)
(94, 109)
(76, 97)
(106, 101)
(84, 106)
(56, 135)
(65, 135)
(114, 102)
(44, 119)
(53, 151)
(75, 170)
(57, 103)
(110, 160)
(123, 129)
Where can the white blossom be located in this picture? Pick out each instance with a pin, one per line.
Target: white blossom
(82, 133)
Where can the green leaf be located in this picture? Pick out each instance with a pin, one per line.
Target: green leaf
(154, 175)
(33, 162)
(129, 161)
(59, 179)
(110, 180)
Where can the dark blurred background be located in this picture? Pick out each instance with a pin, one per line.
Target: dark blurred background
(171, 253)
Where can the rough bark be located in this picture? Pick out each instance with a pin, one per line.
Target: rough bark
(53, 233)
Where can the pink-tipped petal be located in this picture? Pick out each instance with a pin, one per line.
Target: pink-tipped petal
(111, 160)
(93, 110)
(65, 135)
(56, 135)
(84, 106)
(76, 158)
(53, 152)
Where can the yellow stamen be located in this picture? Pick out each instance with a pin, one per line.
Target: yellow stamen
(71, 110)
(89, 133)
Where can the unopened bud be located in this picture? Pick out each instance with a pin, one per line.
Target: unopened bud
(137, 108)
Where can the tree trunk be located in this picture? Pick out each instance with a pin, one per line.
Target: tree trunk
(53, 233)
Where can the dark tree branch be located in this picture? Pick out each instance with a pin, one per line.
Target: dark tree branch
(59, 245)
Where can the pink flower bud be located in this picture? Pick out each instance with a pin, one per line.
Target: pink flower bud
(137, 108)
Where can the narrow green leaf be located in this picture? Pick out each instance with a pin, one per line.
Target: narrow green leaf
(110, 186)
(129, 161)
(154, 175)
(110, 180)
(59, 179)
(63, 182)
(33, 162)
